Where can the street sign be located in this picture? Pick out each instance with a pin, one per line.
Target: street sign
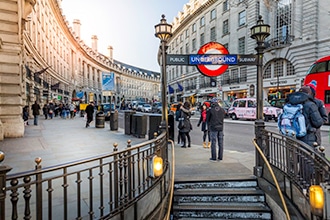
(212, 48)
(177, 59)
(247, 59)
(213, 59)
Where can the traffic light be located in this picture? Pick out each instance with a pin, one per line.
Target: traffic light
(213, 82)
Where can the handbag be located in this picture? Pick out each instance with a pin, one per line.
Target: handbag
(181, 122)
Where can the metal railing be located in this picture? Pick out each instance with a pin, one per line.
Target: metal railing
(298, 166)
(103, 187)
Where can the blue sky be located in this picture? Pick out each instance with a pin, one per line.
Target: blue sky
(126, 25)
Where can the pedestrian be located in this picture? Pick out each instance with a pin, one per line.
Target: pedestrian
(45, 110)
(204, 128)
(72, 108)
(26, 115)
(177, 117)
(89, 113)
(323, 112)
(214, 119)
(187, 127)
(312, 115)
(51, 108)
(36, 112)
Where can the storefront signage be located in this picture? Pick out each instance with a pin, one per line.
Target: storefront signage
(278, 82)
(234, 87)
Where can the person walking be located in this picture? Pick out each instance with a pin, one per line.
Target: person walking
(51, 109)
(45, 110)
(312, 115)
(26, 115)
(204, 128)
(214, 119)
(177, 118)
(323, 112)
(89, 112)
(72, 108)
(186, 125)
(36, 112)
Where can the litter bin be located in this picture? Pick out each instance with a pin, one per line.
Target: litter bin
(154, 123)
(114, 121)
(99, 120)
(128, 121)
(139, 125)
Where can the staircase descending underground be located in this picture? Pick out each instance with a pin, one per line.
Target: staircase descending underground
(219, 199)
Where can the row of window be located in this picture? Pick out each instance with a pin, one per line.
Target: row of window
(45, 33)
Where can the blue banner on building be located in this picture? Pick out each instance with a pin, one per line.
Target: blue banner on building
(80, 95)
(108, 81)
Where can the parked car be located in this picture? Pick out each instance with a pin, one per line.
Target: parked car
(139, 106)
(146, 108)
(157, 107)
(106, 108)
(279, 103)
(246, 108)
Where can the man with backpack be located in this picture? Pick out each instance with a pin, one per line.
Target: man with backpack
(312, 117)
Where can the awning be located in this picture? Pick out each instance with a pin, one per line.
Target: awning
(188, 94)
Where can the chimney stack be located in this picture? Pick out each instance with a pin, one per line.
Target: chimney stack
(110, 53)
(94, 43)
(76, 27)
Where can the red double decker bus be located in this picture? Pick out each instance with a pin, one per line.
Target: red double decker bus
(320, 72)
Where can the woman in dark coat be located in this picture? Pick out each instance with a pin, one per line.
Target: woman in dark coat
(186, 128)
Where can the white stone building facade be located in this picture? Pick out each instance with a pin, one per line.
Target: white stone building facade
(300, 35)
(43, 59)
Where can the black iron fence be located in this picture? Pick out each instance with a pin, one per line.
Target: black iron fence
(297, 167)
(114, 185)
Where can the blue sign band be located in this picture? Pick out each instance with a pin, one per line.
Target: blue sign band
(212, 59)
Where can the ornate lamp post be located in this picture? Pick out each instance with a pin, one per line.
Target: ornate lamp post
(259, 32)
(163, 31)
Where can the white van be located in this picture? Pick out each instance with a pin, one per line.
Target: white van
(246, 108)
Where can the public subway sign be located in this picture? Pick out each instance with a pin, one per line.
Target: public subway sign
(212, 59)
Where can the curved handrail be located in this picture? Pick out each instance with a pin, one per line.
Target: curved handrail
(171, 191)
(110, 182)
(274, 178)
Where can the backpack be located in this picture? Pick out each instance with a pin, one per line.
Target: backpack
(292, 121)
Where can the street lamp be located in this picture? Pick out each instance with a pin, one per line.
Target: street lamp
(259, 32)
(163, 31)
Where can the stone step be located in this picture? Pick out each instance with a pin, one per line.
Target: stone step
(222, 211)
(238, 198)
(205, 195)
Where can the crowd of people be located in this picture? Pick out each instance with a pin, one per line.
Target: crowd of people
(211, 119)
(50, 110)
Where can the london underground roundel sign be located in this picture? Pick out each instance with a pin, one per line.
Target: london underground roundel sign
(212, 70)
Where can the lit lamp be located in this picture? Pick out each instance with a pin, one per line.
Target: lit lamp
(316, 199)
(259, 32)
(163, 31)
(157, 166)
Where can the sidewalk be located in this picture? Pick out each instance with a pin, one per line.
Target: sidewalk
(63, 140)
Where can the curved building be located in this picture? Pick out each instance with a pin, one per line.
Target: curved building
(299, 36)
(43, 59)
